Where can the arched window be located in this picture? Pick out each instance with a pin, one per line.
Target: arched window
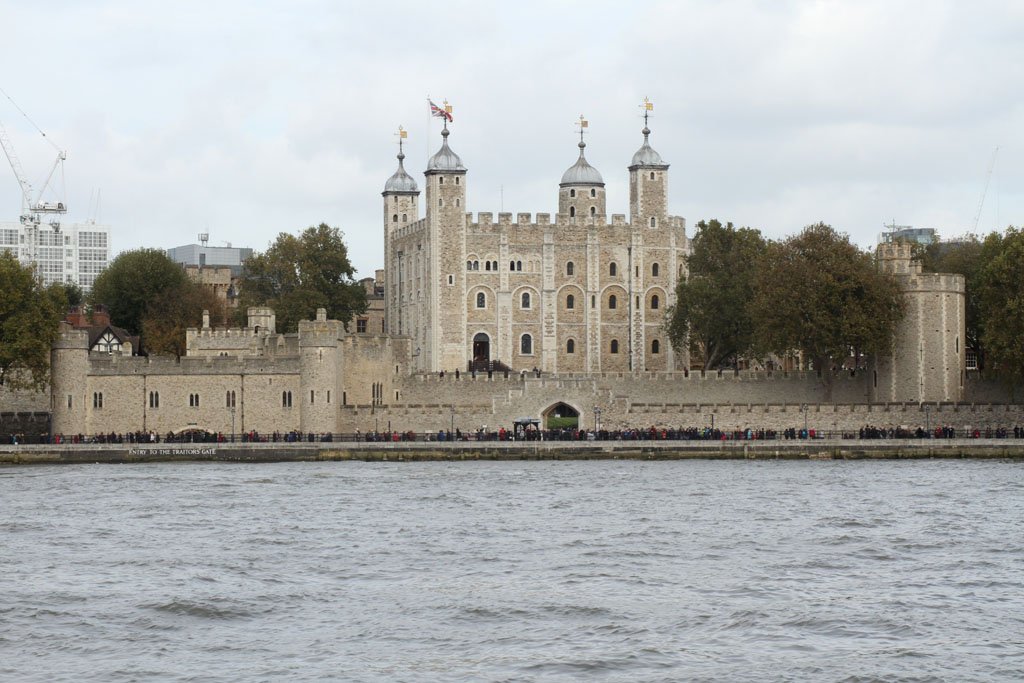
(570, 268)
(572, 193)
(570, 301)
(511, 265)
(476, 265)
(97, 399)
(154, 399)
(654, 270)
(652, 175)
(526, 345)
(456, 180)
(440, 180)
(525, 300)
(613, 269)
(519, 265)
(572, 212)
(404, 217)
(652, 221)
(469, 265)
(494, 266)
(394, 218)
(593, 192)
(481, 300)
(612, 301)
(570, 346)
(487, 265)
(655, 346)
(593, 211)
(615, 346)
(654, 302)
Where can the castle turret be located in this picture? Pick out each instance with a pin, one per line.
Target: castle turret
(319, 373)
(69, 371)
(401, 207)
(648, 186)
(927, 358)
(581, 191)
(446, 214)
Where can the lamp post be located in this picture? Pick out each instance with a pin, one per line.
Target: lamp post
(452, 430)
(712, 416)
(927, 421)
(232, 424)
(803, 409)
(597, 419)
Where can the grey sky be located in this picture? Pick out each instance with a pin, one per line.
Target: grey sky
(248, 119)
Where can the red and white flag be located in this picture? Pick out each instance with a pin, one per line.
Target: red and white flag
(445, 113)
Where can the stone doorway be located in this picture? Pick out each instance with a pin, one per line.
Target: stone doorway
(481, 350)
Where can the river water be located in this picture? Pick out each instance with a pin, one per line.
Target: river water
(509, 571)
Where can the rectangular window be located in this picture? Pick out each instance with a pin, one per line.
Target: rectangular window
(361, 325)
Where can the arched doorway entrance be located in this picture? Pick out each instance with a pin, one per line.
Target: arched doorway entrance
(561, 416)
(481, 351)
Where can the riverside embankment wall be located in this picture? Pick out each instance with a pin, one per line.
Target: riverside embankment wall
(838, 449)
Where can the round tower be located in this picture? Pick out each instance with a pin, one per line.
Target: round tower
(69, 373)
(648, 186)
(445, 315)
(928, 356)
(319, 373)
(401, 207)
(581, 191)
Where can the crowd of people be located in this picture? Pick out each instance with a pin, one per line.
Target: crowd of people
(528, 433)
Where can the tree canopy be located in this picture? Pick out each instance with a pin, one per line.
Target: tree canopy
(298, 274)
(712, 309)
(149, 294)
(1000, 301)
(820, 294)
(29, 314)
(968, 257)
(132, 282)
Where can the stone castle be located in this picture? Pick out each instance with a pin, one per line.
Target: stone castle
(484, 322)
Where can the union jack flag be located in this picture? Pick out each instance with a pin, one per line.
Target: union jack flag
(444, 113)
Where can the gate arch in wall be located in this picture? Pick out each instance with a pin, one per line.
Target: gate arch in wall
(561, 415)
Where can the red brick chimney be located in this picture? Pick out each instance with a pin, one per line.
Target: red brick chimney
(77, 317)
(100, 315)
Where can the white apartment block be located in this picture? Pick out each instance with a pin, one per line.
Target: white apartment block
(74, 253)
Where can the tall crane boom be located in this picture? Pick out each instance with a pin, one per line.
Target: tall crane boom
(984, 191)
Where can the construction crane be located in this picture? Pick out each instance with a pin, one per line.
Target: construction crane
(984, 191)
(34, 203)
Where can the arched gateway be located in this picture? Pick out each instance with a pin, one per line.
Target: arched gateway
(561, 415)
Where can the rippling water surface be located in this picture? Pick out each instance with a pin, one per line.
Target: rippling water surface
(614, 571)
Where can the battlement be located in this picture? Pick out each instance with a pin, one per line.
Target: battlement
(897, 258)
(69, 337)
(118, 365)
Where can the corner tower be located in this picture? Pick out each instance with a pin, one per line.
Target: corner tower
(581, 191)
(446, 347)
(401, 199)
(648, 185)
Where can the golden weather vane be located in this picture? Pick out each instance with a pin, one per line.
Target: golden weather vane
(582, 124)
(647, 107)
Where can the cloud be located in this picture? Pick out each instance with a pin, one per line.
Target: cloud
(246, 120)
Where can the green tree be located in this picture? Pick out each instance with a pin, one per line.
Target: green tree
(1001, 304)
(29, 314)
(820, 294)
(174, 311)
(133, 282)
(712, 309)
(299, 274)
